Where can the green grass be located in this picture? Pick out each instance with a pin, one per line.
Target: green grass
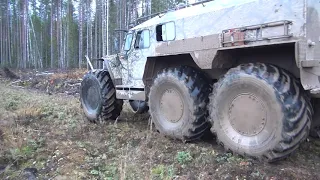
(183, 157)
(163, 172)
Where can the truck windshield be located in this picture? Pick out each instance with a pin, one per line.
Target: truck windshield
(127, 44)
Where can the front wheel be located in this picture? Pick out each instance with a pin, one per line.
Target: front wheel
(261, 111)
(98, 97)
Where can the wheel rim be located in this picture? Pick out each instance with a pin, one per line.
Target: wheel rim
(91, 95)
(248, 119)
(171, 105)
(247, 115)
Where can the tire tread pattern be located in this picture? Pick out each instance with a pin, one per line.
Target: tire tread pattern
(295, 104)
(199, 90)
(111, 107)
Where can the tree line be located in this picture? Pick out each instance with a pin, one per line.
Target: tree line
(59, 33)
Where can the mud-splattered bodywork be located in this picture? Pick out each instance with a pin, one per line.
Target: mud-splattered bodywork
(206, 29)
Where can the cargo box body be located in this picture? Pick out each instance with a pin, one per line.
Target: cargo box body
(205, 30)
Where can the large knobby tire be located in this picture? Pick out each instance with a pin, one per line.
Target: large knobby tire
(178, 102)
(261, 111)
(98, 97)
(139, 107)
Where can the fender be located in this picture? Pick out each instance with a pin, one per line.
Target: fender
(106, 67)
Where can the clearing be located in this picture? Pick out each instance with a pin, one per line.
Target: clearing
(44, 134)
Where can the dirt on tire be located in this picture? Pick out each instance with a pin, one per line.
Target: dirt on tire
(289, 102)
(107, 105)
(194, 91)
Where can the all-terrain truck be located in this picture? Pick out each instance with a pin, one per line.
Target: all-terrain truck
(248, 70)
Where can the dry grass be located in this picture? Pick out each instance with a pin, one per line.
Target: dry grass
(70, 74)
(29, 113)
(49, 133)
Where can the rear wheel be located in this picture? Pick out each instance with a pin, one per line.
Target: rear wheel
(178, 103)
(261, 111)
(98, 96)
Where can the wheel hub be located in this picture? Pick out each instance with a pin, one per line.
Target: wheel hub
(91, 95)
(247, 115)
(171, 105)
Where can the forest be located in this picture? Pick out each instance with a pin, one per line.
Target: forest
(50, 34)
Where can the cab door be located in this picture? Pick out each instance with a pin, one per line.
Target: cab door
(123, 66)
(138, 58)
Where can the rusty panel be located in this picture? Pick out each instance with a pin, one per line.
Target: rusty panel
(237, 38)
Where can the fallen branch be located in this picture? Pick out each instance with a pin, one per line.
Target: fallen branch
(10, 74)
(17, 86)
(14, 82)
(72, 85)
(44, 74)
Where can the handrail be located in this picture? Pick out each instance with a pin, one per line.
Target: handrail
(170, 10)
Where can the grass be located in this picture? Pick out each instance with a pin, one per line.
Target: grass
(163, 172)
(49, 133)
(183, 157)
(71, 74)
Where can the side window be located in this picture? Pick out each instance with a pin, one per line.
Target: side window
(166, 32)
(127, 44)
(142, 39)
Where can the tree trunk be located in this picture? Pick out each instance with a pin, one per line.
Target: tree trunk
(103, 28)
(1, 37)
(107, 38)
(96, 31)
(8, 33)
(25, 34)
(88, 23)
(51, 35)
(80, 32)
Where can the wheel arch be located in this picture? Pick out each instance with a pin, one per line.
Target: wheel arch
(282, 55)
(155, 64)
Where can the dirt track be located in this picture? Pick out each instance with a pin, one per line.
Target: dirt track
(48, 133)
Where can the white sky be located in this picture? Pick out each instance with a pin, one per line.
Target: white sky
(93, 7)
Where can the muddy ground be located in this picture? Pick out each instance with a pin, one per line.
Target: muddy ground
(44, 135)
